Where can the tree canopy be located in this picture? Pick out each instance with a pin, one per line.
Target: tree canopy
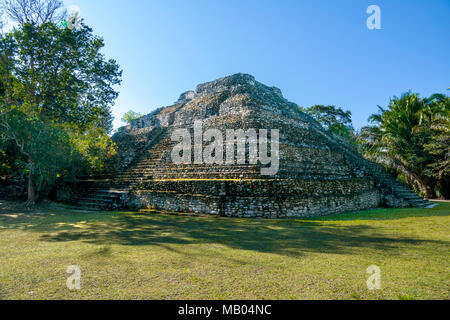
(34, 11)
(334, 119)
(411, 136)
(130, 116)
(56, 90)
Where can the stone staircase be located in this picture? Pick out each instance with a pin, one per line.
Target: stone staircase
(110, 191)
(392, 189)
(101, 200)
(107, 192)
(398, 193)
(397, 189)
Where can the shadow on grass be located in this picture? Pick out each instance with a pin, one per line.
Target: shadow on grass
(284, 237)
(442, 209)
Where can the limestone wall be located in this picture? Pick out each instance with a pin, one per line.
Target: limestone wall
(258, 198)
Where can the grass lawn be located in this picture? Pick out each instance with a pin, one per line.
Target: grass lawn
(148, 256)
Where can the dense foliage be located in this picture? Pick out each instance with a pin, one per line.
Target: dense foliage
(412, 137)
(130, 116)
(56, 89)
(334, 119)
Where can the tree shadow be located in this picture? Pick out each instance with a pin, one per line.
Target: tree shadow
(441, 210)
(284, 237)
(280, 237)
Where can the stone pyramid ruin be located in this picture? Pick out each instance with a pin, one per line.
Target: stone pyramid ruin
(319, 173)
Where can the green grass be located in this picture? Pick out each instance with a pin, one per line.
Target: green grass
(143, 256)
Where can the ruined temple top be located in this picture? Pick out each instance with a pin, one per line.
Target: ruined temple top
(238, 95)
(238, 80)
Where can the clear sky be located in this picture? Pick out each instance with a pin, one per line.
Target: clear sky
(315, 51)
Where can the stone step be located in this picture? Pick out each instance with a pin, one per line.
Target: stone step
(418, 200)
(114, 192)
(405, 195)
(93, 193)
(411, 198)
(405, 191)
(93, 199)
(149, 170)
(402, 189)
(174, 171)
(101, 198)
(399, 189)
(81, 208)
(91, 204)
(420, 205)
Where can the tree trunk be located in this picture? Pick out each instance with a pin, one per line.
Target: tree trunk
(31, 192)
(445, 188)
(426, 189)
(31, 187)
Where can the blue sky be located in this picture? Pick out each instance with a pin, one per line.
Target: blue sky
(315, 51)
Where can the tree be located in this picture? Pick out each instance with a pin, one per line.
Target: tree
(45, 146)
(435, 119)
(61, 74)
(130, 116)
(2, 22)
(56, 92)
(334, 119)
(34, 11)
(409, 137)
(10, 160)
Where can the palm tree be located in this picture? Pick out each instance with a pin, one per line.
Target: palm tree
(398, 137)
(435, 118)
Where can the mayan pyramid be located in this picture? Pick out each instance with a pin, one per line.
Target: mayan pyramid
(319, 173)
